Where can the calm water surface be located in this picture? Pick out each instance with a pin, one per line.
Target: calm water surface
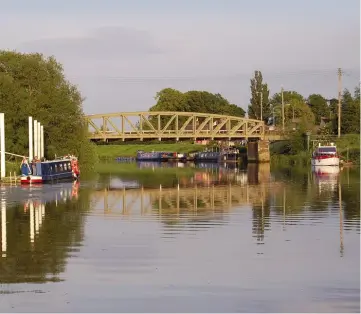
(151, 238)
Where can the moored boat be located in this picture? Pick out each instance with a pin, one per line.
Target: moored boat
(325, 155)
(38, 172)
(207, 156)
(154, 156)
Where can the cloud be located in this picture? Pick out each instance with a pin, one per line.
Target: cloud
(101, 43)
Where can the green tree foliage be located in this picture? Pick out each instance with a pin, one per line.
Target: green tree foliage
(300, 113)
(333, 106)
(259, 94)
(170, 99)
(32, 85)
(288, 97)
(350, 115)
(297, 112)
(319, 107)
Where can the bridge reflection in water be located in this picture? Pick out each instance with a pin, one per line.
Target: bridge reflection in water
(204, 191)
(40, 233)
(180, 199)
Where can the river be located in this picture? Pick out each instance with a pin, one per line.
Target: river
(177, 238)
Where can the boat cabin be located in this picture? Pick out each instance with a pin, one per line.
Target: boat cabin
(48, 170)
(325, 150)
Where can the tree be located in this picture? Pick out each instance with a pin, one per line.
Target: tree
(259, 94)
(350, 114)
(299, 113)
(288, 97)
(170, 99)
(319, 107)
(295, 109)
(32, 85)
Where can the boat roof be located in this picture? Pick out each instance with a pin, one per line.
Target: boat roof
(326, 146)
(56, 160)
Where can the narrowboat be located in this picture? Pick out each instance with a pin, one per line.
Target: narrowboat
(207, 157)
(230, 155)
(154, 156)
(325, 156)
(65, 169)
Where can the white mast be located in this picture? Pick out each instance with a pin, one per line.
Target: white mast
(36, 138)
(31, 139)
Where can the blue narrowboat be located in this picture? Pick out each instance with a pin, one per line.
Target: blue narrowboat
(50, 171)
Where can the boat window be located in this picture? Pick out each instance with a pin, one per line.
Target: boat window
(327, 150)
(69, 166)
(61, 167)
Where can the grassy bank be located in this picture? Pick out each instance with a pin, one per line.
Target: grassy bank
(130, 150)
(287, 153)
(349, 147)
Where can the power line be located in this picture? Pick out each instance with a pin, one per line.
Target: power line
(325, 72)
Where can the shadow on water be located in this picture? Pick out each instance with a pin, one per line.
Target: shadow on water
(40, 231)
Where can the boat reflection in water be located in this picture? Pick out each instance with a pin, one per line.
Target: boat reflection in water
(26, 228)
(326, 177)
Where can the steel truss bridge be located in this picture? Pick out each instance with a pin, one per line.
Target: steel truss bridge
(160, 125)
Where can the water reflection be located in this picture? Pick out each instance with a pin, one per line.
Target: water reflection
(207, 230)
(40, 232)
(214, 189)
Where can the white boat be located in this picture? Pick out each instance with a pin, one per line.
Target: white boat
(325, 156)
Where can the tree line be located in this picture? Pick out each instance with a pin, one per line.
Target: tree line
(305, 112)
(302, 113)
(34, 85)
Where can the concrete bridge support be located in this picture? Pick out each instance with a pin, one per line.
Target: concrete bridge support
(258, 151)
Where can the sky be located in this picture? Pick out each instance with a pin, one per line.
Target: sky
(120, 53)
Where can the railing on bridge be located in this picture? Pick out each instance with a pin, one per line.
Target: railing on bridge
(171, 125)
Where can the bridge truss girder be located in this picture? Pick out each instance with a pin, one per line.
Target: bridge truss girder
(171, 125)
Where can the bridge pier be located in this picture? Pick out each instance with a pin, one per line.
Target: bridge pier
(258, 151)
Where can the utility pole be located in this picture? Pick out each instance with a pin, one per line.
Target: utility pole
(339, 100)
(283, 111)
(262, 105)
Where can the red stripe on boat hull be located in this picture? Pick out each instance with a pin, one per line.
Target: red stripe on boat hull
(31, 181)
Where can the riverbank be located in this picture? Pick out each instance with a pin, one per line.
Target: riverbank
(130, 150)
(348, 147)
